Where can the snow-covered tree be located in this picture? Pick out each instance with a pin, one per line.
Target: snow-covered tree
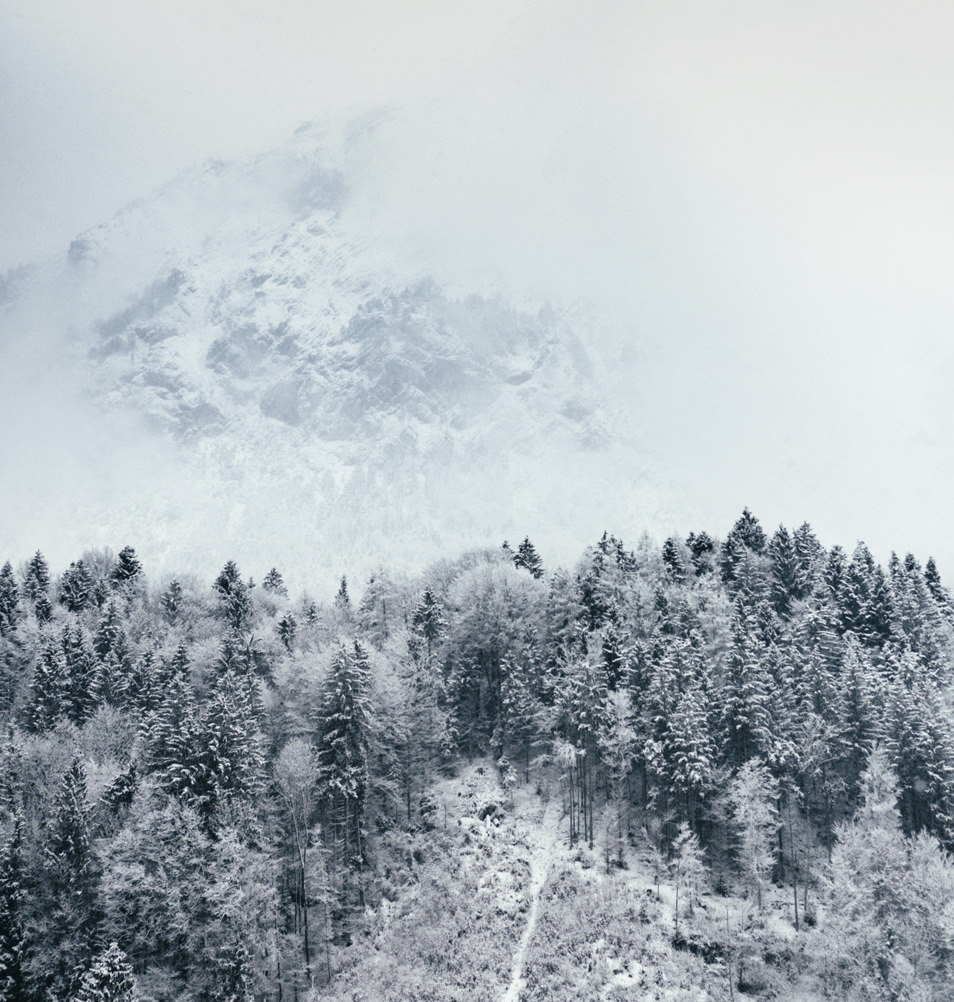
(753, 799)
(110, 979)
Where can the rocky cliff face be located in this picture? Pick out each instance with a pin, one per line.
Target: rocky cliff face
(317, 397)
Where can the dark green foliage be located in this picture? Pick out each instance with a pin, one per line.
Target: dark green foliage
(110, 979)
(9, 601)
(702, 548)
(287, 630)
(13, 901)
(528, 559)
(343, 746)
(672, 555)
(428, 619)
(127, 568)
(76, 587)
(274, 584)
(66, 929)
(171, 602)
(235, 601)
(36, 582)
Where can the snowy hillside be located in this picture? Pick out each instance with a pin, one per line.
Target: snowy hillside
(299, 397)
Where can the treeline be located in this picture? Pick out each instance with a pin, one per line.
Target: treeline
(198, 777)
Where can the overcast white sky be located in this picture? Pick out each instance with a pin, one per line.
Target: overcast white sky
(760, 192)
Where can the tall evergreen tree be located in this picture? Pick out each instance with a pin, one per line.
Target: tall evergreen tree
(36, 582)
(110, 979)
(69, 922)
(76, 587)
(528, 559)
(9, 601)
(13, 896)
(274, 584)
(127, 568)
(343, 747)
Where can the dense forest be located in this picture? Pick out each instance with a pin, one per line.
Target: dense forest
(213, 791)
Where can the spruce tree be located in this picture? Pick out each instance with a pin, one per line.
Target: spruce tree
(36, 582)
(171, 602)
(127, 568)
(274, 584)
(428, 620)
(70, 874)
(527, 558)
(234, 598)
(9, 601)
(13, 898)
(702, 549)
(110, 979)
(287, 630)
(344, 743)
(76, 587)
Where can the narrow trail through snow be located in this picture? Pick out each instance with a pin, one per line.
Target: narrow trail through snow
(543, 841)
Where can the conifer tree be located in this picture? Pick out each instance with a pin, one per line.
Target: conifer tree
(527, 558)
(110, 979)
(231, 760)
(13, 896)
(70, 874)
(343, 748)
(76, 587)
(745, 695)
(428, 620)
(9, 601)
(673, 559)
(702, 549)
(287, 630)
(171, 602)
(745, 536)
(787, 581)
(127, 568)
(274, 584)
(47, 692)
(36, 583)
(234, 598)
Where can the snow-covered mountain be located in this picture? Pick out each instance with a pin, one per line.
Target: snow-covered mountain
(268, 386)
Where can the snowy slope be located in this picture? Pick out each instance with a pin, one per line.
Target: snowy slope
(267, 388)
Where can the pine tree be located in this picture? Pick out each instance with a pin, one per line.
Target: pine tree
(36, 582)
(274, 584)
(171, 737)
(110, 979)
(13, 897)
(787, 580)
(527, 558)
(46, 703)
(343, 748)
(287, 630)
(70, 874)
(745, 536)
(745, 695)
(76, 587)
(127, 568)
(702, 548)
(672, 556)
(9, 601)
(171, 602)
(231, 760)
(234, 598)
(428, 620)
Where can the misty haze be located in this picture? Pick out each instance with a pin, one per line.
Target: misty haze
(475, 501)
